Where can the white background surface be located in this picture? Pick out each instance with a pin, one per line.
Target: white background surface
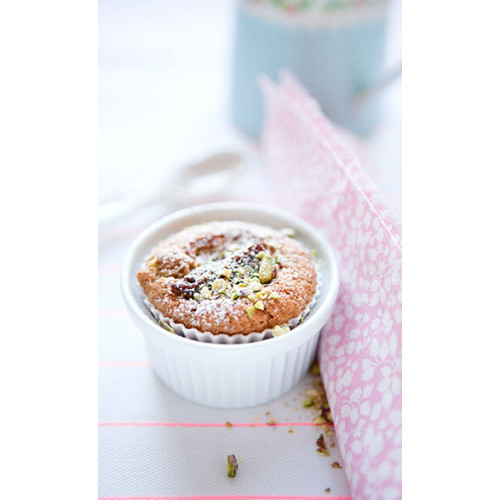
(164, 79)
(153, 442)
(164, 73)
(451, 100)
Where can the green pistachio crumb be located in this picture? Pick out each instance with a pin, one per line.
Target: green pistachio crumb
(327, 490)
(280, 330)
(251, 311)
(274, 295)
(313, 393)
(232, 466)
(260, 255)
(229, 424)
(235, 295)
(259, 305)
(307, 403)
(261, 295)
(206, 293)
(226, 273)
(219, 285)
(314, 370)
(197, 296)
(266, 269)
(319, 420)
(254, 284)
(165, 325)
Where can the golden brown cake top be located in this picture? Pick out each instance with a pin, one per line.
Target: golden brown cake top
(229, 277)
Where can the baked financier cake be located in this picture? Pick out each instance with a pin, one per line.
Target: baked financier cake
(229, 278)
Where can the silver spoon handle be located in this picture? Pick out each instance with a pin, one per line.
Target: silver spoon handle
(189, 183)
(113, 211)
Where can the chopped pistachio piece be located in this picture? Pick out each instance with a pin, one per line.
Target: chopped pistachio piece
(251, 311)
(259, 305)
(255, 285)
(252, 297)
(226, 273)
(314, 370)
(206, 293)
(271, 421)
(235, 295)
(229, 424)
(266, 269)
(307, 403)
(280, 330)
(313, 392)
(165, 325)
(197, 296)
(232, 466)
(219, 285)
(261, 295)
(274, 295)
(288, 231)
(260, 254)
(319, 420)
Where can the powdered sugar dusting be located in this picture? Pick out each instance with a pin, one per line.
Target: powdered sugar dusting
(229, 278)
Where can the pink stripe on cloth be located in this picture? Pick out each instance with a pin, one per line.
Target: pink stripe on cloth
(207, 424)
(360, 347)
(230, 497)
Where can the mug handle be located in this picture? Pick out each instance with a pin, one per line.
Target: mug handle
(361, 98)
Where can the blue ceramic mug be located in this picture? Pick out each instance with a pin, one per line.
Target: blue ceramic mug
(335, 47)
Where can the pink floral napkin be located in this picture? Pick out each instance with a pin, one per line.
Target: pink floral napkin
(360, 348)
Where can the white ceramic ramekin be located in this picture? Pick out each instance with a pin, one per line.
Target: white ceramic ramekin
(231, 375)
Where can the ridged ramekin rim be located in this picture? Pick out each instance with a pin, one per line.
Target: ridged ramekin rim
(293, 221)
